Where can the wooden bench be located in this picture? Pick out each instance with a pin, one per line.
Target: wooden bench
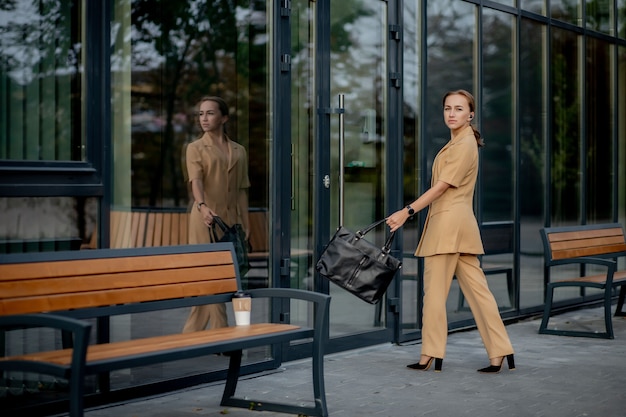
(597, 244)
(62, 290)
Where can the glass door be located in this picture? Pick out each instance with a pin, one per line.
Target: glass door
(339, 103)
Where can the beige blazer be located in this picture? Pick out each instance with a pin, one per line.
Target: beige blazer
(451, 225)
(223, 176)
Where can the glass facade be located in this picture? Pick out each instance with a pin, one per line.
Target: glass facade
(98, 103)
(42, 53)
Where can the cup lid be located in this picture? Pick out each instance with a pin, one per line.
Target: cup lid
(240, 294)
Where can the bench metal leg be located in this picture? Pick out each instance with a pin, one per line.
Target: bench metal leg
(608, 320)
(76, 397)
(319, 409)
(620, 302)
(232, 378)
(543, 328)
(319, 390)
(547, 309)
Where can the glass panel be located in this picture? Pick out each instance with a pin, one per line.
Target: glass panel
(600, 16)
(358, 69)
(180, 52)
(566, 126)
(497, 172)
(41, 80)
(569, 11)
(303, 27)
(497, 116)
(535, 6)
(566, 139)
(303, 32)
(533, 127)
(411, 293)
(451, 65)
(621, 18)
(32, 224)
(358, 62)
(599, 131)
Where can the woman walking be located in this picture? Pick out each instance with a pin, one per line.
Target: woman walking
(450, 243)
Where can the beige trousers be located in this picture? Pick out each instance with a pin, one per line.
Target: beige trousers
(201, 315)
(438, 273)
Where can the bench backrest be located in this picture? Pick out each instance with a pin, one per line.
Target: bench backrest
(97, 278)
(599, 240)
(138, 228)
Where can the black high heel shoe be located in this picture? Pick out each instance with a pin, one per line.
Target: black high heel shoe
(494, 369)
(425, 367)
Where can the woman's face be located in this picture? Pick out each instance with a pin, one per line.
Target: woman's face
(210, 117)
(456, 112)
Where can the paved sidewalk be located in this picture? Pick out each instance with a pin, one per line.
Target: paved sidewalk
(556, 376)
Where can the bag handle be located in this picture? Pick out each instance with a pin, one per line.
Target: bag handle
(218, 220)
(387, 246)
(367, 229)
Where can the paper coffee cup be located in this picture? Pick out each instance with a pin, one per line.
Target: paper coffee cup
(242, 304)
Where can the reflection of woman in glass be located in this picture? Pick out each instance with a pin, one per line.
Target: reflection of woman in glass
(218, 173)
(450, 242)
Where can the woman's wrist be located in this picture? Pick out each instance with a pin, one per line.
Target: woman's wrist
(200, 204)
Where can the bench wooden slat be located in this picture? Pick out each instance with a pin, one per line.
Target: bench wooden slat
(166, 239)
(141, 236)
(585, 234)
(174, 231)
(158, 230)
(150, 226)
(133, 229)
(183, 226)
(67, 301)
(558, 244)
(121, 222)
(597, 279)
(105, 266)
(158, 343)
(587, 251)
(104, 282)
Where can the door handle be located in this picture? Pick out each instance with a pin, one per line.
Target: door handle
(342, 138)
